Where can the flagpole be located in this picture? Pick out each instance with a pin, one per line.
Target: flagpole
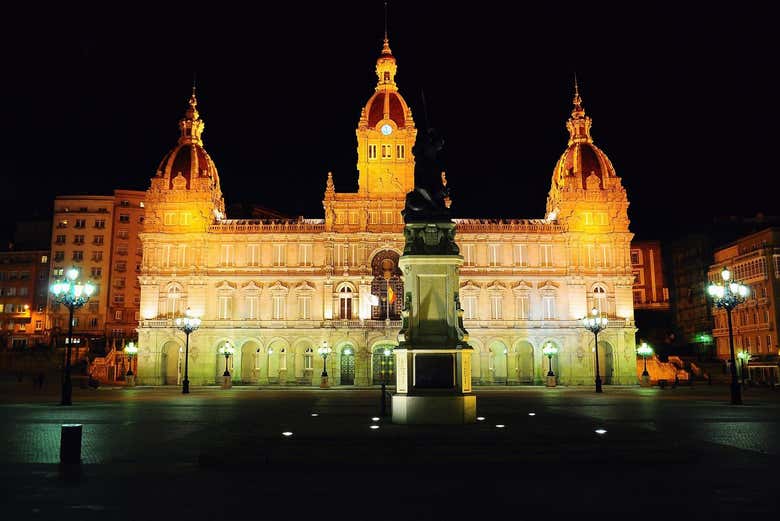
(388, 299)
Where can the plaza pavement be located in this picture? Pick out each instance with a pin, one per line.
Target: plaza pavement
(153, 453)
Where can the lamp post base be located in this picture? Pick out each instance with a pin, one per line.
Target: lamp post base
(227, 381)
(324, 384)
(736, 394)
(644, 381)
(551, 381)
(130, 380)
(598, 385)
(185, 387)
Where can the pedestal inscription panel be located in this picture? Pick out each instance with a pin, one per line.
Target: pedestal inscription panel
(434, 371)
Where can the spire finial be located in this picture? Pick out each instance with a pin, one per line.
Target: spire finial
(386, 46)
(578, 111)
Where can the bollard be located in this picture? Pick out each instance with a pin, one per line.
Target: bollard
(70, 443)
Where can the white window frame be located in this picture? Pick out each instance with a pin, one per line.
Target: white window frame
(278, 306)
(521, 254)
(372, 152)
(304, 254)
(523, 306)
(494, 255)
(224, 307)
(280, 255)
(471, 307)
(496, 307)
(545, 255)
(304, 307)
(252, 306)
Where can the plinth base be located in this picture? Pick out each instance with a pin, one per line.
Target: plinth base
(644, 380)
(324, 383)
(130, 380)
(434, 409)
(227, 382)
(552, 381)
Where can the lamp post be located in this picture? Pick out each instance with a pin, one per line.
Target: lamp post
(268, 354)
(74, 294)
(549, 350)
(187, 324)
(644, 350)
(596, 323)
(506, 354)
(226, 350)
(728, 294)
(130, 351)
(324, 350)
(744, 359)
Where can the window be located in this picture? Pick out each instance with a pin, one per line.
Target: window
(469, 255)
(400, 152)
(523, 306)
(601, 218)
(253, 255)
(604, 255)
(345, 302)
(252, 306)
(97, 239)
(118, 314)
(494, 254)
(342, 254)
(545, 255)
(58, 272)
(373, 217)
(173, 302)
(372, 151)
(11, 292)
(278, 307)
(283, 359)
(97, 256)
(124, 218)
(386, 149)
(470, 307)
(124, 203)
(23, 292)
(181, 256)
(123, 234)
(387, 217)
(100, 223)
(62, 224)
(304, 307)
(93, 322)
(94, 307)
(60, 239)
(308, 357)
(121, 266)
(639, 296)
(224, 309)
(78, 255)
(80, 223)
(39, 325)
(59, 256)
(228, 257)
(279, 254)
(78, 239)
(304, 254)
(548, 306)
(600, 299)
(44, 259)
(169, 219)
(587, 218)
(122, 249)
(119, 298)
(521, 254)
(185, 219)
(496, 311)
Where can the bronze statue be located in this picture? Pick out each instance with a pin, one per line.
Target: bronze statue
(430, 200)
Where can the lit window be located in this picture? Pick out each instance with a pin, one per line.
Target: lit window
(470, 307)
(494, 251)
(400, 152)
(371, 153)
(278, 307)
(523, 306)
(521, 255)
(496, 311)
(545, 255)
(280, 254)
(304, 307)
(304, 255)
(386, 149)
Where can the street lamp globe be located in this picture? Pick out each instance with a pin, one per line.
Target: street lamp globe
(187, 324)
(324, 350)
(549, 350)
(727, 295)
(226, 350)
(644, 350)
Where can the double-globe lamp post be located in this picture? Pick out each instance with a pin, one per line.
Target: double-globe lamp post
(744, 359)
(728, 294)
(596, 323)
(74, 294)
(226, 350)
(324, 350)
(187, 324)
(549, 350)
(130, 351)
(644, 350)
(383, 398)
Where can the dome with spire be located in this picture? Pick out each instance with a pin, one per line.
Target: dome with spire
(386, 103)
(188, 165)
(583, 165)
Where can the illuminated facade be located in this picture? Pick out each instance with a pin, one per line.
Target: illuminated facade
(24, 291)
(277, 289)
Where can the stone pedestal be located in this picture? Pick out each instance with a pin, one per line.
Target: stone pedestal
(644, 380)
(552, 381)
(130, 380)
(282, 376)
(227, 381)
(324, 383)
(433, 359)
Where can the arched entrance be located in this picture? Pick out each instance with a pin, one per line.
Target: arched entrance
(386, 286)
(172, 363)
(383, 365)
(498, 364)
(525, 362)
(347, 363)
(606, 362)
(250, 358)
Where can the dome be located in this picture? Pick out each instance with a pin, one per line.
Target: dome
(188, 160)
(386, 102)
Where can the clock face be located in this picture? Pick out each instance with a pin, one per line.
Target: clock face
(386, 129)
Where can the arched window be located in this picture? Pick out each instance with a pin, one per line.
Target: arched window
(598, 299)
(283, 359)
(308, 357)
(172, 301)
(345, 302)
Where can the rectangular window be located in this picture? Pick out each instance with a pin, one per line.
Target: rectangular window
(601, 218)
(372, 151)
(278, 307)
(59, 256)
(374, 217)
(342, 254)
(353, 218)
(604, 255)
(169, 219)
(387, 217)
(23, 292)
(521, 254)
(97, 240)
(523, 305)
(119, 299)
(80, 223)
(118, 314)
(469, 255)
(548, 307)
(304, 255)
(304, 307)
(386, 149)
(400, 152)
(78, 239)
(280, 251)
(97, 256)
(588, 218)
(181, 258)
(496, 304)
(545, 255)
(253, 255)
(122, 250)
(494, 254)
(96, 273)
(124, 218)
(636, 257)
(60, 239)
(100, 223)
(224, 307)
(78, 255)
(252, 305)
(39, 325)
(470, 307)
(639, 296)
(228, 257)
(185, 219)
(121, 266)
(123, 234)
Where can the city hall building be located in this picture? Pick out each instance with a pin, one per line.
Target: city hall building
(278, 289)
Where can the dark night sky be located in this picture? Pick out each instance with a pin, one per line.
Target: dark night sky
(680, 100)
